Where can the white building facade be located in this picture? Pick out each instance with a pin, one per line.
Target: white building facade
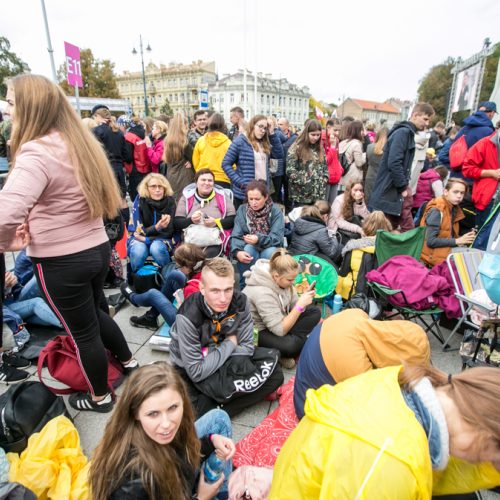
(276, 97)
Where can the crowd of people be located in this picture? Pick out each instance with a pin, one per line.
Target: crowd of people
(201, 202)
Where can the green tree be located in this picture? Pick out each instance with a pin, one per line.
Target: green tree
(10, 64)
(166, 109)
(98, 77)
(434, 88)
(490, 74)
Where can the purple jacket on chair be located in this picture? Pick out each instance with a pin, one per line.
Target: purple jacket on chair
(423, 288)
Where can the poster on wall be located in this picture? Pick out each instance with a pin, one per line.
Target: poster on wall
(467, 81)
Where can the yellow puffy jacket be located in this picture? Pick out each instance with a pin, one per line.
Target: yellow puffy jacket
(53, 465)
(347, 284)
(360, 440)
(209, 152)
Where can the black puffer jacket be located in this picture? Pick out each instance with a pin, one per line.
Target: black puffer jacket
(310, 235)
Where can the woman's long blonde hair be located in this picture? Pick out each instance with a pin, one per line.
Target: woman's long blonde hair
(127, 451)
(176, 140)
(41, 108)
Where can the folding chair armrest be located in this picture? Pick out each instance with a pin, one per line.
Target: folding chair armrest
(475, 303)
(383, 289)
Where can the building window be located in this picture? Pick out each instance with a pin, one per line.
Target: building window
(231, 98)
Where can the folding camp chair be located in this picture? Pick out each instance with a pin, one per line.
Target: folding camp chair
(389, 244)
(410, 243)
(463, 268)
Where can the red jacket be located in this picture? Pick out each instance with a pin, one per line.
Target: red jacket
(482, 156)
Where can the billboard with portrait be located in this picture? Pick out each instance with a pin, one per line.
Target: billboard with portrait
(466, 87)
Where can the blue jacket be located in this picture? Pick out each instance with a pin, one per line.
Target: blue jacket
(281, 162)
(476, 126)
(444, 153)
(394, 171)
(241, 153)
(273, 239)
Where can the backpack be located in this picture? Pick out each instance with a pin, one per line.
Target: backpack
(147, 277)
(458, 152)
(344, 162)
(25, 409)
(141, 158)
(61, 359)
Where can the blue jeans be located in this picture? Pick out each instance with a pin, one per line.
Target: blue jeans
(35, 311)
(216, 422)
(30, 290)
(159, 303)
(481, 241)
(139, 252)
(256, 254)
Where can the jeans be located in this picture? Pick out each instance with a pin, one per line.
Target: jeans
(331, 193)
(72, 286)
(481, 241)
(35, 311)
(216, 422)
(139, 251)
(161, 302)
(30, 290)
(256, 254)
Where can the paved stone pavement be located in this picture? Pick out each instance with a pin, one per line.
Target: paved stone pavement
(91, 425)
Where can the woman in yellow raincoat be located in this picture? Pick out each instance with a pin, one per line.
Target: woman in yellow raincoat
(394, 434)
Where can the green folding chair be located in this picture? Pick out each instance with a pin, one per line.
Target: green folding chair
(410, 243)
(388, 244)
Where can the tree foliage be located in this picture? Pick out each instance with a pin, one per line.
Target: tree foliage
(490, 74)
(435, 87)
(10, 64)
(166, 109)
(98, 77)
(326, 109)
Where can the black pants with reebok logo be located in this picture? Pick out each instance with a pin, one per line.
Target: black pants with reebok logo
(72, 287)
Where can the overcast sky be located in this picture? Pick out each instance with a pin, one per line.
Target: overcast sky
(365, 49)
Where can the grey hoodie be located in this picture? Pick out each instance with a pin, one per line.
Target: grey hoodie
(269, 303)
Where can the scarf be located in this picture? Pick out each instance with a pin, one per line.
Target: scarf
(204, 201)
(422, 400)
(258, 220)
(152, 210)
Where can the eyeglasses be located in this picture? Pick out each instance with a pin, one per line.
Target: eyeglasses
(155, 186)
(262, 127)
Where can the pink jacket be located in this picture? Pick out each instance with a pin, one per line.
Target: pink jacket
(155, 154)
(42, 190)
(336, 221)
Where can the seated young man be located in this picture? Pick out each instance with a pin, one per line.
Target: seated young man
(212, 326)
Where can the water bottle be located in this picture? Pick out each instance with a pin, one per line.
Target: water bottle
(337, 304)
(213, 468)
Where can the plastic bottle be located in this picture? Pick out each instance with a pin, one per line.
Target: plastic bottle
(337, 304)
(213, 468)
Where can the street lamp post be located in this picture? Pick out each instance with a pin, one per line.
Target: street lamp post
(148, 48)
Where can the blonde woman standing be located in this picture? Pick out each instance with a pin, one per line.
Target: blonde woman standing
(60, 188)
(177, 154)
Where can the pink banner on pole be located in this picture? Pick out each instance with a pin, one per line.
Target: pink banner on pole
(73, 65)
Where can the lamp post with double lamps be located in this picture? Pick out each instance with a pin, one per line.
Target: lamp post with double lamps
(148, 48)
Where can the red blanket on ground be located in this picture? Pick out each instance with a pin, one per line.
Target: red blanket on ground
(262, 445)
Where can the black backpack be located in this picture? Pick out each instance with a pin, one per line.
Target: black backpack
(25, 409)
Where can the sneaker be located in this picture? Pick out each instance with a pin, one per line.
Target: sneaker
(9, 374)
(14, 360)
(83, 401)
(144, 321)
(288, 363)
(130, 367)
(127, 292)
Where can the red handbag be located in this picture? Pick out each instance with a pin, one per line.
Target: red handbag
(60, 357)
